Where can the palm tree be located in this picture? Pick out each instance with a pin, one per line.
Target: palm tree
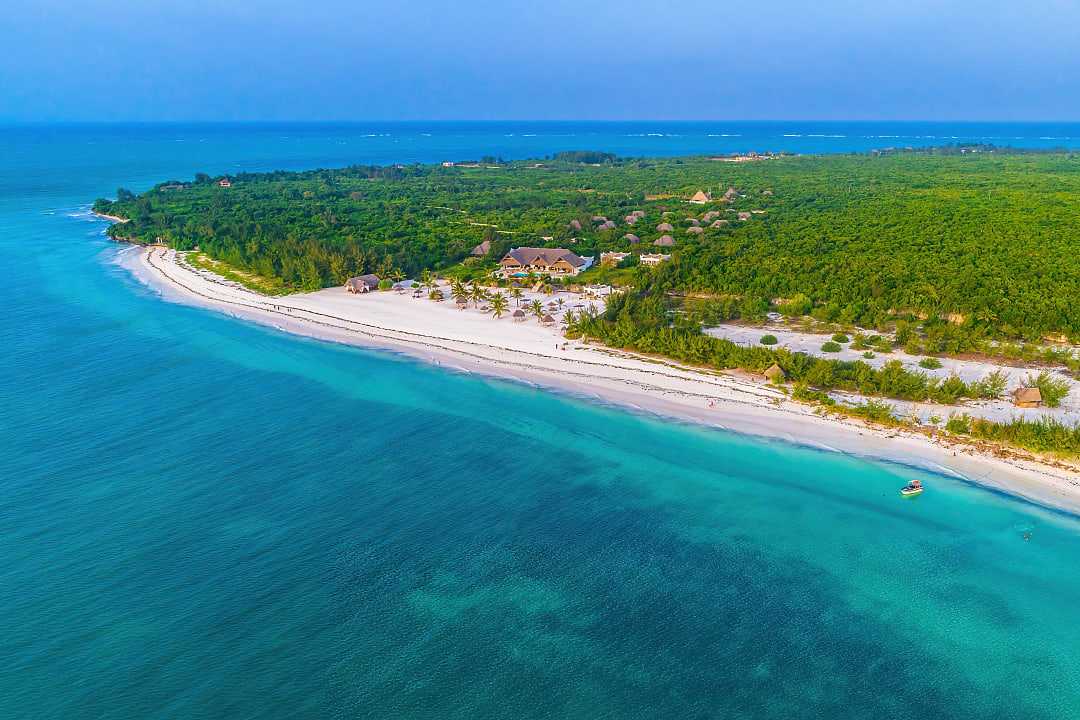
(537, 308)
(458, 291)
(478, 294)
(561, 303)
(425, 279)
(499, 304)
(516, 292)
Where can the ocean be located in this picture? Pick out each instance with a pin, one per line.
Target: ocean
(204, 518)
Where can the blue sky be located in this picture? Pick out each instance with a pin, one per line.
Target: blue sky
(560, 60)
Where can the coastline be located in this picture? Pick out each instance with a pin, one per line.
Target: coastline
(525, 352)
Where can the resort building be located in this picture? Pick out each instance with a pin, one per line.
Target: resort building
(664, 241)
(1027, 397)
(652, 259)
(612, 258)
(701, 197)
(558, 262)
(362, 284)
(225, 182)
(482, 249)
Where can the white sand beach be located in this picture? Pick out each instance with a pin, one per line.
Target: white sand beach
(472, 340)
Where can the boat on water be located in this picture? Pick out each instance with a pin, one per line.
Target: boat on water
(913, 488)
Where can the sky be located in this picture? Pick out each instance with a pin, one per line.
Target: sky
(339, 60)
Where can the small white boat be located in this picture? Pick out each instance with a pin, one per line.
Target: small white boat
(913, 488)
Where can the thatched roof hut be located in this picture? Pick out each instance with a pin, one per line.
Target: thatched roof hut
(462, 302)
(606, 225)
(1027, 397)
(701, 197)
(710, 215)
(630, 219)
(775, 374)
(665, 227)
(664, 240)
(744, 216)
(599, 219)
(632, 239)
(482, 249)
(548, 320)
(719, 223)
(575, 224)
(519, 315)
(362, 284)
(695, 230)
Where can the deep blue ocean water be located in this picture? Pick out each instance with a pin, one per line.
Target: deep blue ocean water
(202, 518)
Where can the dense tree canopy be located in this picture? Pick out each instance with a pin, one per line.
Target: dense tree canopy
(986, 239)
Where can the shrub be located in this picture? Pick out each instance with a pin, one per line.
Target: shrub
(990, 387)
(1053, 389)
(930, 363)
(831, 347)
(959, 424)
(840, 338)
(869, 355)
(768, 340)
(934, 419)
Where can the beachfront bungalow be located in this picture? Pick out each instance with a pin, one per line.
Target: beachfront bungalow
(665, 227)
(1027, 397)
(653, 259)
(482, 249)
(611, 259)
(775, 374)
(664, 241)
(632, 239)
(701, 197)
(362, 284)
(558, 262)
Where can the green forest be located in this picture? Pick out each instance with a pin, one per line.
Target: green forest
(969, 243)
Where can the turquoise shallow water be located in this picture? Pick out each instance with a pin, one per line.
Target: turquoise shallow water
(203, 518)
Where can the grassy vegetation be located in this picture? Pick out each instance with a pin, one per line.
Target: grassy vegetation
(258, 283)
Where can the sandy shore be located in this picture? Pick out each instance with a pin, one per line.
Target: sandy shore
(472, 340)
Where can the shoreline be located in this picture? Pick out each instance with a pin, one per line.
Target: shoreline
(447, 337)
